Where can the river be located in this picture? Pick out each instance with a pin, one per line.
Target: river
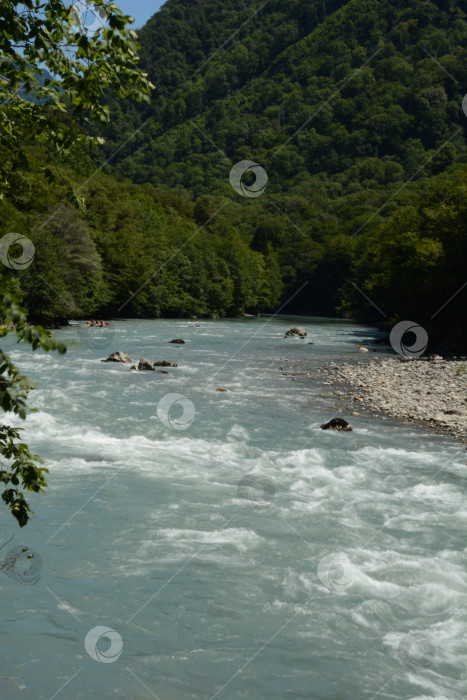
(223, 544)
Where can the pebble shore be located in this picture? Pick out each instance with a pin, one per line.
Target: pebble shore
(432, 391)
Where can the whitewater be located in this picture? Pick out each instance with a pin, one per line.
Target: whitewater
(233, 548)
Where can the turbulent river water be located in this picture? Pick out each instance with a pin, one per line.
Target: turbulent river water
(223, 544)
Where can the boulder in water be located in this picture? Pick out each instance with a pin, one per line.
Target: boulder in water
(297, 332)
(145, 365)
(337, 424)
(118, 357)
(165, 363)
(177, 341)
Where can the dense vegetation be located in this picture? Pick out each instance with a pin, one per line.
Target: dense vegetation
(366, 167)
(126, 237)
(35, 105)
(354, 109)
(61, 64)
(19, 468)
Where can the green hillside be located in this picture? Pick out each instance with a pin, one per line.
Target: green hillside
(127, 251)
(322, 92)
(354, 111)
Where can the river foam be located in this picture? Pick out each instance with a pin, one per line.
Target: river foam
(336, 563)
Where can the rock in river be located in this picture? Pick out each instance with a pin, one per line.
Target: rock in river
(337, 424)
(145, 365)
(178, 341)
(296, 331)
(165, 363)
(118, 357)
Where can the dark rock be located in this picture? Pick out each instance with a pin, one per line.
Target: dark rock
(178, 341)
(145, 365)
(337, 424)
(118, 357)
(297, 331)
(165, 363)
(133, 367)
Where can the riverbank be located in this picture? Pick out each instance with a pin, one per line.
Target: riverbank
(431, 391)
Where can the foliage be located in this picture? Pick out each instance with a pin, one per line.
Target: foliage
(353, 108)
(415, 262)
(353, 94)
(20, 470)
(53, 69)
(131, 251)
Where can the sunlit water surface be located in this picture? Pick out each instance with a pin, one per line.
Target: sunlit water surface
(249, 554)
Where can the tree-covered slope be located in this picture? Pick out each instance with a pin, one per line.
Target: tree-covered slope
(353, 108)
(198, 52)
(360, 93)
(127, 251)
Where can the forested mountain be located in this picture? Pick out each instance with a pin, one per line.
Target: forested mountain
(306, 88)
(354, 110)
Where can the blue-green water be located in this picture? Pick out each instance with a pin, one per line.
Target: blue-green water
(247, 555)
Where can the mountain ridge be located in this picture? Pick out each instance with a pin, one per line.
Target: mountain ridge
(213, 119)
(354, 112)
(353, 115)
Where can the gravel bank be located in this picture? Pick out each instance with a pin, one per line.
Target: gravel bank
(430, 391)
(425, 391)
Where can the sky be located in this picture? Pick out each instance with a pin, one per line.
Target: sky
(141, 10)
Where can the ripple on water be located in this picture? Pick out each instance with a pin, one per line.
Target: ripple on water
(339, 558)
